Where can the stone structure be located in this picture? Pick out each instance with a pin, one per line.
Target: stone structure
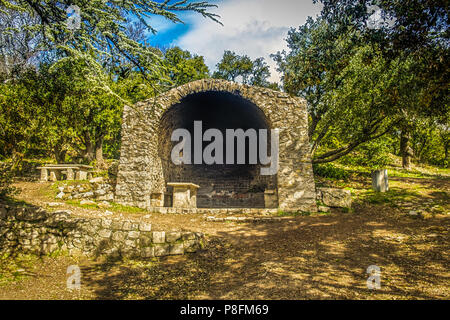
(145, 168)
(184, 194)
(332, 197)
(34, 230)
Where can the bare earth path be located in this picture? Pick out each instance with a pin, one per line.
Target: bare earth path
(308, 257)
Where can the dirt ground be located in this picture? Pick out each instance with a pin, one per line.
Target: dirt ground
(306, 257)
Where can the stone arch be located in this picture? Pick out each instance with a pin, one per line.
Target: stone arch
(140, 173)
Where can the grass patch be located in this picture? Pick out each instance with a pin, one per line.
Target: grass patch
(391, 197)
(16, 268)
(115, 207)
(127, 209)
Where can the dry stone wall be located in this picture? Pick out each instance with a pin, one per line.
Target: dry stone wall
(34, 230)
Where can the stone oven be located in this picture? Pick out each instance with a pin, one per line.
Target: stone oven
(147, 176)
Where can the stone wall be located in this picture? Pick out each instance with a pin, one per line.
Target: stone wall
(141, 170)
(33, 229)
(98, 188)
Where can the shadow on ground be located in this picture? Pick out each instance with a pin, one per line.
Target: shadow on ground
(323, 257)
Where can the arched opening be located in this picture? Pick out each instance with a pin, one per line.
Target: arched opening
(221, 185)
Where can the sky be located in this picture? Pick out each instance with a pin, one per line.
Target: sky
(256, 28)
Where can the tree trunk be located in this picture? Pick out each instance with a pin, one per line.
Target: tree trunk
(88, 153)
(99, 151)
(405, 149)
(60, 155)
(59, 152)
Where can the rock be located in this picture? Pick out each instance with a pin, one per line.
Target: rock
(143, 226)
(323, 209)
(99, 192)
(60, 195)
(162, 250)
(159, 237)
(177, 248)
(54, 204)
(133, 234)
(105, 204)
(88, 194)
(413, 213)
(88, 202)
(107, 197)
(96, 180)
(104, 233)
(61, 189)
(108, 213)
(333, 197)
(148, 252)
(173, 236)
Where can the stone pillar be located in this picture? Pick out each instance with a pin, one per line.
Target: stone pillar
(54, 175)
(44, 174)
(81, 175)
(69, 174)
(157, 200)
(380, 181)
(270, 198)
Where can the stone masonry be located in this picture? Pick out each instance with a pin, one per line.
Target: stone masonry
(34, 230)
(140, 174)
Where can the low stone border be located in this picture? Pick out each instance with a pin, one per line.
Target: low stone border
(216, 211)
(32, 229)
(248, 219)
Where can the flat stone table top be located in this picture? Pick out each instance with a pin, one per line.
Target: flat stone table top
(65, 166)
(183, 184)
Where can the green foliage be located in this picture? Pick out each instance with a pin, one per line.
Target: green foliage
(183, 67)
(234, 67)
(6, 176)
(362, 84)
(103, 35)
(16, 268)
(329, 170)
(55, 111)
(373, 155)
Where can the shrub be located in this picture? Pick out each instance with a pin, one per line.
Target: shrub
(6, 177)
(328, 170)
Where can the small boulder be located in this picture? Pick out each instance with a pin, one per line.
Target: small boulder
(99, 192)
(333, 197)
(323, 209)
(54, 204)
(105, 204)
(87, 202)
(88, 194)
(96, 180)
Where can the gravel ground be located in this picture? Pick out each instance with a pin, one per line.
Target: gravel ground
(308, 257)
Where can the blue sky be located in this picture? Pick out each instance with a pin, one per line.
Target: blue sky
(253, 27)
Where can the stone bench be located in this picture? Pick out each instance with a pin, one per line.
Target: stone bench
(184, 194)
(54, 172)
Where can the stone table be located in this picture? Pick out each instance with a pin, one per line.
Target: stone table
(184, 194)
(53, 172)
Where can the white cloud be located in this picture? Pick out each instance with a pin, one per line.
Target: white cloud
(256, 28)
